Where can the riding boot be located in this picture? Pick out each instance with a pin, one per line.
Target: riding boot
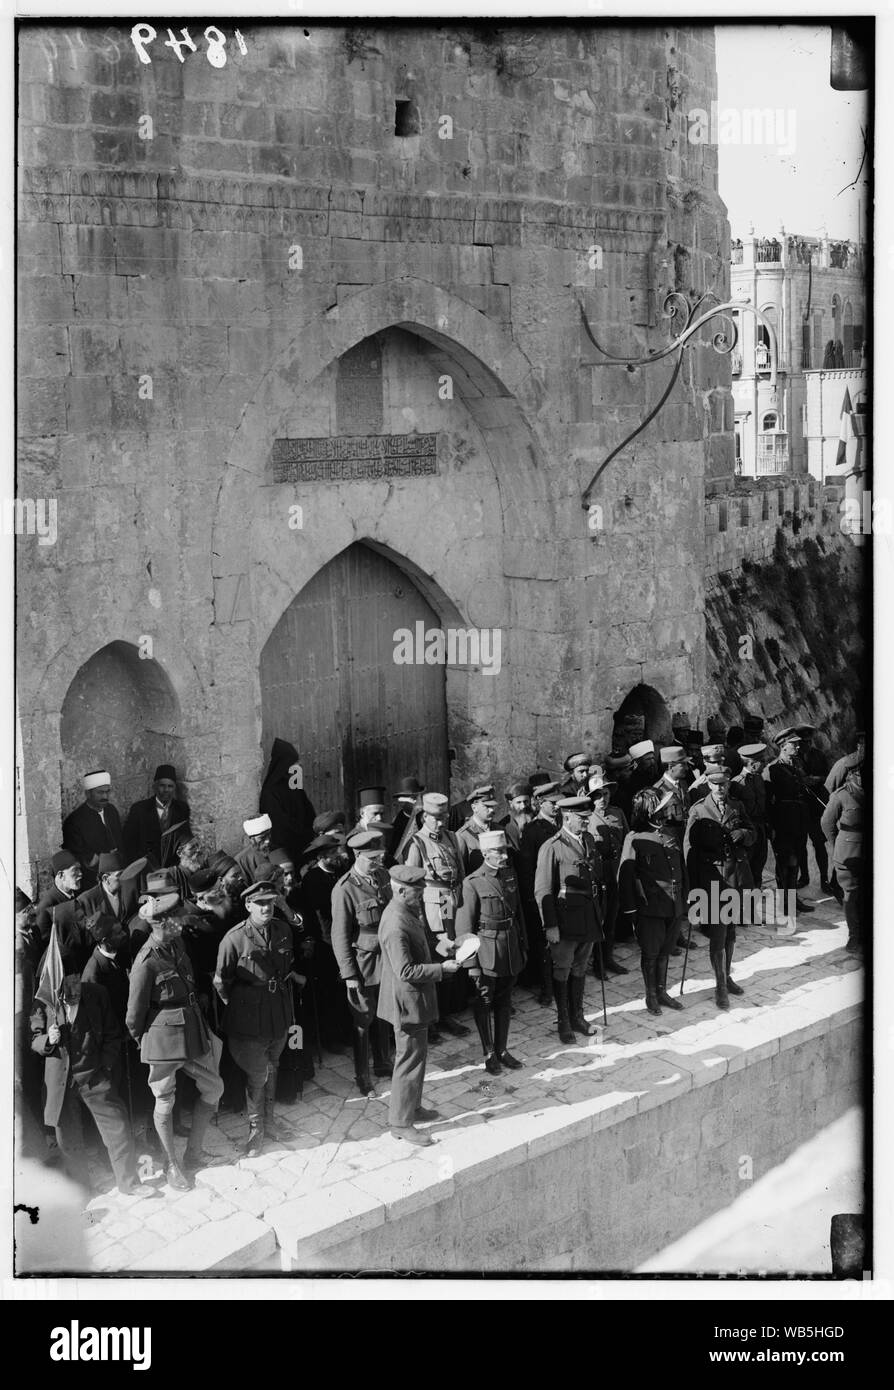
(481, 1012)
(576, 1007)
(546, 979)
(502, 1015)
(174, 1175)
(560, 994)
(648, 965)
(194, 1157)
(731, 986)
(383, 1062)
(271, 1129)
(661, 980)
(361, 1062)
(718, 965)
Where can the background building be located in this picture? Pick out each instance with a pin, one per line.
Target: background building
(812, 290)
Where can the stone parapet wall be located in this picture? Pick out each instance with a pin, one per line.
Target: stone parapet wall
(626, 1174)
(742, 520)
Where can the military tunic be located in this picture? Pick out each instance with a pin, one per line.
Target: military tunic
(491, 909)
(253, 965)
(164, 1017)
(358, 902)
(469, 849)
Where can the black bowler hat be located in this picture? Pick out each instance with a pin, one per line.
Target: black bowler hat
(408, 786)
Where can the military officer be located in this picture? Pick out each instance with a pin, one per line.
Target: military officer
(729, 812)
(164, 1017)
(609, 828)
(407, 998)
(491, 909)
(753, 793)
(787, 818)
(254, 979)
(542, 828)
(816, 769)
(94, 827)
(435, 849)
(358, 901)
(483, 802)
(723, 859)
(840, 769)
(842, 823)
(567, 888)
(672, 785)
(653, 891)
(254, 859)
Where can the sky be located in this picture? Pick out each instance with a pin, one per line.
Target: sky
(816, 146)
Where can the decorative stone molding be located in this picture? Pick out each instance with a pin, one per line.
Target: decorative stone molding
(102, 197)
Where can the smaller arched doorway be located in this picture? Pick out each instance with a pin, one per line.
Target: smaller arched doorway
(121, 713)
(330, 684)
(642, 714)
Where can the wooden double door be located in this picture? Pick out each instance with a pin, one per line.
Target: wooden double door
(330, 685)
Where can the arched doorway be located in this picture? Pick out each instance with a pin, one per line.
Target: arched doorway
(330, 685)
(642, 714)
(121, 713)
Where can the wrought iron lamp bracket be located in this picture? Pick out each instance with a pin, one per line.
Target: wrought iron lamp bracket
(723, 342)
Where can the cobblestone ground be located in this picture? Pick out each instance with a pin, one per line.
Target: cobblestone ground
(332, 1133)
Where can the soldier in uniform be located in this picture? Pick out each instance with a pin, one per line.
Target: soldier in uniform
(567, 889)
(727, 856)
(434, 849)
(254, 859)
(164, 1017)
(483, 803)
(94, 827)
(609, 828)
(816, 770)
(752, 791)
(843, 827)
(840, 769)
(653, 891)
(535, 834)
(358, 901)
(491, 909)
(254, 979)
(407, 998)
(787, 817)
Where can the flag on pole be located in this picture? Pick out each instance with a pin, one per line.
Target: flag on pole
(49, 988)
(845, 433)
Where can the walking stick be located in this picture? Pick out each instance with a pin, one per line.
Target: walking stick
(686, 953)
(602, 983)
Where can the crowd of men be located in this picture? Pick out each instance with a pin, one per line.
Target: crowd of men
(152, 961)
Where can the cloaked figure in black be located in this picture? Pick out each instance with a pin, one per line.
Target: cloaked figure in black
(285, 801)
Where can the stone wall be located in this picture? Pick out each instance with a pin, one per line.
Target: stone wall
(741, 520)
(184, 300)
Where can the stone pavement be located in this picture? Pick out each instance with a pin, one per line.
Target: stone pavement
(339, 1170)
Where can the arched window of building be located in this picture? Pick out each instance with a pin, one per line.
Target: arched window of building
(762, 340)
(836, 318)
(772, 445)
(847, 336)
(770, 421)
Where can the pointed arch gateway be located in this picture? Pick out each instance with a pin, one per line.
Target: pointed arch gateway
(330, 685)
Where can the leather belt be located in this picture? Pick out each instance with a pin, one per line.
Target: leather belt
(179, 1003)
